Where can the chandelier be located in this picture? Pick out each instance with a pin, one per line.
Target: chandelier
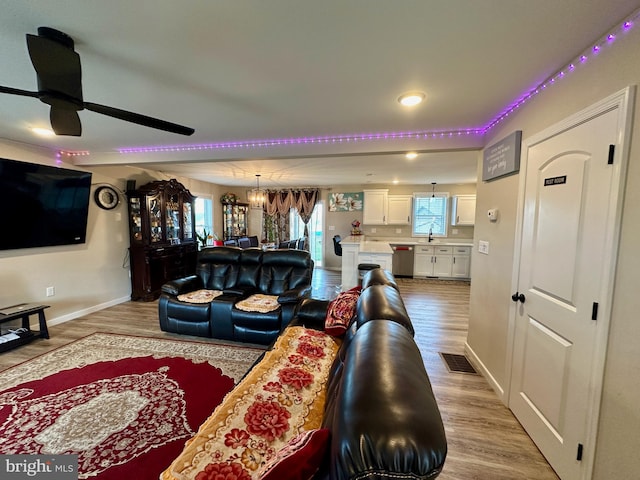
(257, 197)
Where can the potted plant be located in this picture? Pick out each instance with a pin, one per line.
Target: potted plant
(205, 236)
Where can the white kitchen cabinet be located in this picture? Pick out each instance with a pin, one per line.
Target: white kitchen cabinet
(399, 209)
(385, 260)
(461, 267)
(374, 211)
(441, 261)
(423, 261)
(463, 210)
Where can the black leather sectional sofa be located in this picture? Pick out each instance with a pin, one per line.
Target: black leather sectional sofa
(238, 273)
(383, 416)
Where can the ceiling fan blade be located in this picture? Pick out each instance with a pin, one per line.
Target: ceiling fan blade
(139, 119)
(56, 64)
(65, 122)
(17, 91)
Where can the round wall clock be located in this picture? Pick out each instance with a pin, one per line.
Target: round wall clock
(106, 197)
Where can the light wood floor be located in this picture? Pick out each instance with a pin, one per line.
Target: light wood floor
(485, 440)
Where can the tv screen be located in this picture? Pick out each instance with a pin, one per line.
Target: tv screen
(44, 205)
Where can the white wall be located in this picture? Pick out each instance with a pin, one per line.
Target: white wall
(86, 277)
(618, 439)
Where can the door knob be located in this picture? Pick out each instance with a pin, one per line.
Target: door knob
(518, 297)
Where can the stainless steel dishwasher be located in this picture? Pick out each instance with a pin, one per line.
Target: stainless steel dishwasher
(402, 260)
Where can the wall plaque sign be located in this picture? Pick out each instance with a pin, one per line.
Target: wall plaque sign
(502, 158)
(555, 181)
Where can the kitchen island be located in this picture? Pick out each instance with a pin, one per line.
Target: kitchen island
(355, 250)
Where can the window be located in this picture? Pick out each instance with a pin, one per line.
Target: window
(204, 214)
(430, 214)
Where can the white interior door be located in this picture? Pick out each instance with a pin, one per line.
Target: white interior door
(566, 259)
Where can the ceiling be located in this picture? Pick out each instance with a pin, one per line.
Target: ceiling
(303, 93)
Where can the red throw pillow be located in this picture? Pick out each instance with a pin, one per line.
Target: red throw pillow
(341, 311)
(299, 459)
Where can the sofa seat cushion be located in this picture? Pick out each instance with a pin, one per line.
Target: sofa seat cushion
(200, 296)
(282, 396)
(259, 303)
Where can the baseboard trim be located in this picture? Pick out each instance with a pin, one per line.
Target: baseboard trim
(86, 311)
(480, 366)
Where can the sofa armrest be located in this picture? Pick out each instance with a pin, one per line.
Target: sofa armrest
(312, 313)
(183, 285)
(294, 295)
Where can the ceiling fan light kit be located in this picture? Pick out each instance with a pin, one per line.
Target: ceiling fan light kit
(59, 74)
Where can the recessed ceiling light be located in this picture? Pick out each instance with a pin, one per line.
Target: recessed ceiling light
(411, 155)
(411, 99)
(43, 132)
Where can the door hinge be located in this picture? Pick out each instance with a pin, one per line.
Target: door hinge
(612, 151)
(594, 311)
(579, 455)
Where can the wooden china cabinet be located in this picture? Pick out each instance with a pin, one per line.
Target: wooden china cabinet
(163, 243)
(234, 220)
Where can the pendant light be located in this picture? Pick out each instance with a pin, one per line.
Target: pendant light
(257, 196)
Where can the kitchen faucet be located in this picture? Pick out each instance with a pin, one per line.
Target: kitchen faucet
(430, 235)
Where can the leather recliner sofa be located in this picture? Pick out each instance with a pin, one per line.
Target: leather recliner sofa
(238, 273)
(383, 416)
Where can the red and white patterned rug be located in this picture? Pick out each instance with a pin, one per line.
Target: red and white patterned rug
(125, 405)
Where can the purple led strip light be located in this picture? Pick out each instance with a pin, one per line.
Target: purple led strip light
(365, 137)
(595, 49)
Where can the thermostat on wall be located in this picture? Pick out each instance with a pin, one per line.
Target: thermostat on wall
(492, 213)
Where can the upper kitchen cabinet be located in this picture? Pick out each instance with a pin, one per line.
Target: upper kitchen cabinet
(380, 208)
(399, 209)
(463, 210)
(375, 207)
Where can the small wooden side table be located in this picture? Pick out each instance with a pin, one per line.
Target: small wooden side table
(24, 311)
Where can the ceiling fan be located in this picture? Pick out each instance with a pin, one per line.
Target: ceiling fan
(57, 67)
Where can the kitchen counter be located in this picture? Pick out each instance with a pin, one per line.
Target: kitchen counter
(370, 241)
(360, 249)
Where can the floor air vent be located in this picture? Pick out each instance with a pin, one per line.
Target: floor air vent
(457, 363)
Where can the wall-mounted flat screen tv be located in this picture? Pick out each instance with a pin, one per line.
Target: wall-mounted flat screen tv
(43, 205)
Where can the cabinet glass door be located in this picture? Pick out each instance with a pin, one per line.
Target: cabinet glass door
(155, 219)
(173, 219)
(135, 219)
(187, 219)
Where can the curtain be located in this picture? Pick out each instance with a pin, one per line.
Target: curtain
(305, 204)
(276, 211)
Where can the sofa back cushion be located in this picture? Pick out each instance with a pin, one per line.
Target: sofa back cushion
(382, 302)
(284, 270)
(250, 267)
(218, 267)
(379, 276)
